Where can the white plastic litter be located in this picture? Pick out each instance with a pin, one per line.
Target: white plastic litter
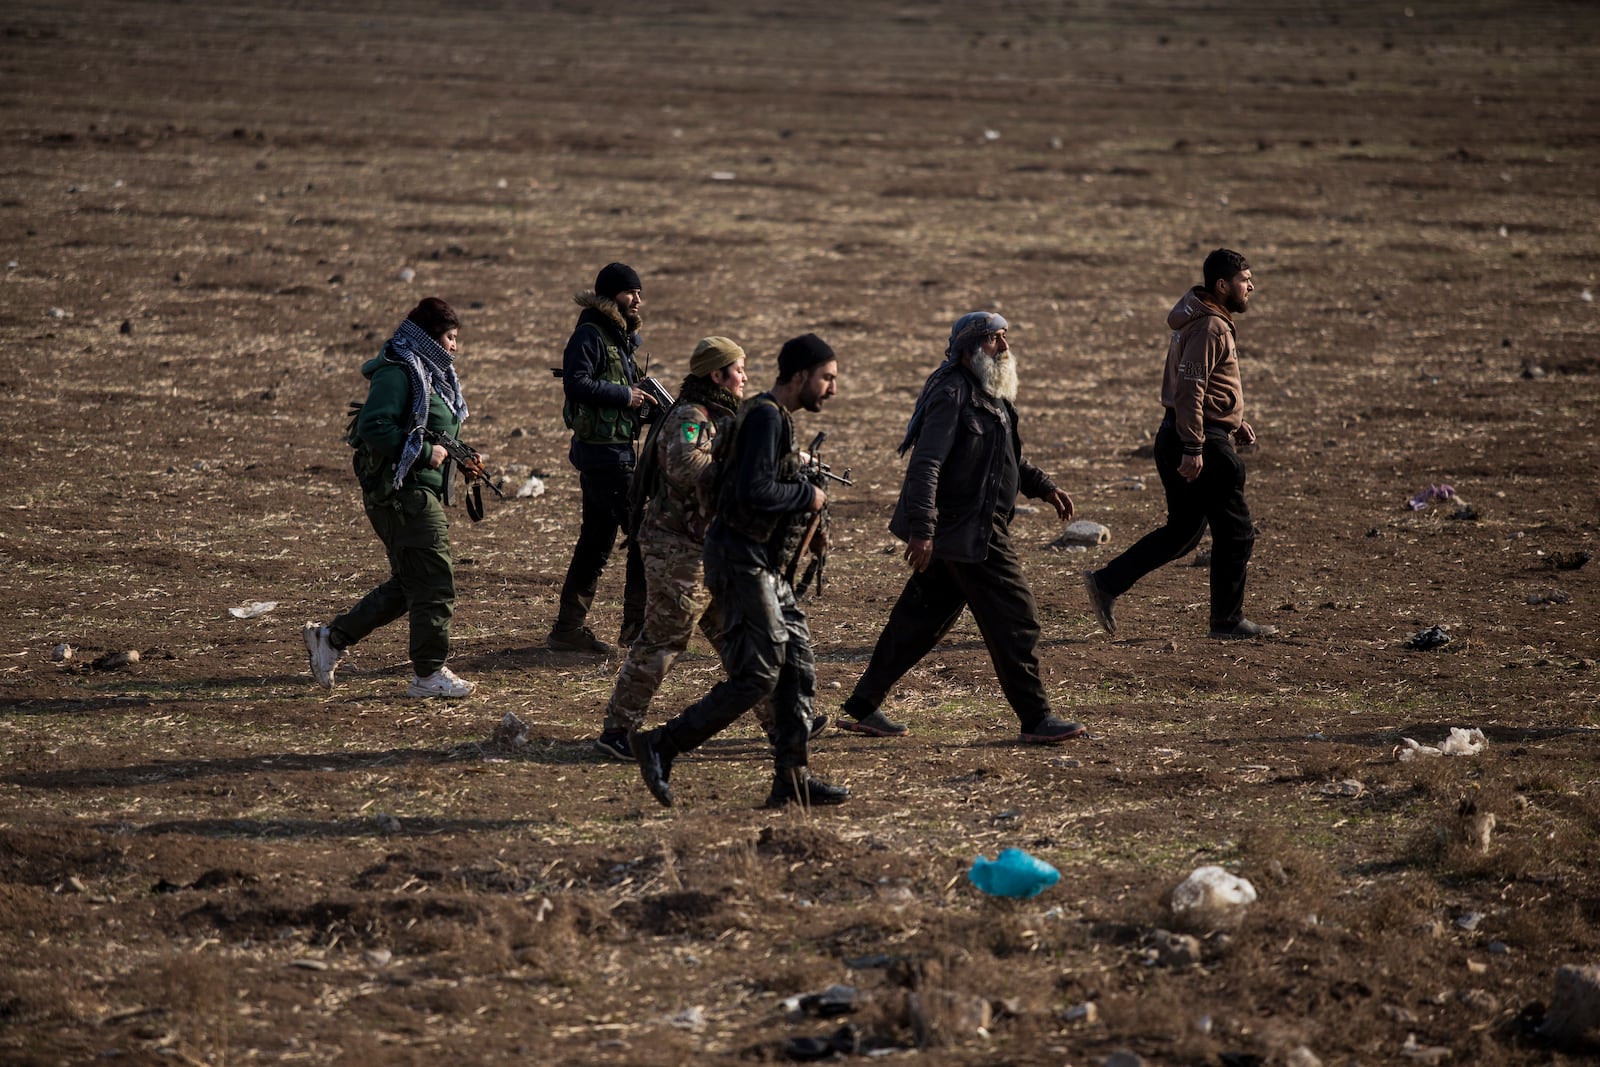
(252, 609)
(1210, 895)
(534, 486)
(1460, 743)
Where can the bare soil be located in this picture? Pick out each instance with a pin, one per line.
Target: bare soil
(212, 214)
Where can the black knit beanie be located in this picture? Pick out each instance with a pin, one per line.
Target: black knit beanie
(616, 278)
(801, 354)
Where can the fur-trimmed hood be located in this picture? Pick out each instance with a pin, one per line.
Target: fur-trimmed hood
(606, 308)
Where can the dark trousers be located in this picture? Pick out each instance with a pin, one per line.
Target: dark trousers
(605, 512)
(766, 652)
(1001, 604)
(1216, 498)
(416, 535)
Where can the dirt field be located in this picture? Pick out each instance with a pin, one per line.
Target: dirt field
(211, 215)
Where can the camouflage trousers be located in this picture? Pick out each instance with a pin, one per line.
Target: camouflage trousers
(676, 602)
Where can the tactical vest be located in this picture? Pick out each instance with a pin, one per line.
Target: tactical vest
(595, 425)
(759, 526)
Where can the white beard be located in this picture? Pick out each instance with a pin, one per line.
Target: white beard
(997, 376)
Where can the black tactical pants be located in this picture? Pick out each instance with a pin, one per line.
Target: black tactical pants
(1216, 498)
(766, 651)
(605, 512)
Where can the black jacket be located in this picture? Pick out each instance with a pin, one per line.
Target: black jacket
(952, 484)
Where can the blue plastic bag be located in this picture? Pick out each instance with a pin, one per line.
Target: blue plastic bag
(1013, 873)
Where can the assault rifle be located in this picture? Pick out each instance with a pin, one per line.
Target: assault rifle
(466, 457)
(818, 473)
(659, 398)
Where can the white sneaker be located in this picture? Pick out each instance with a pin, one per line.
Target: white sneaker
(441, 683)
(324, 657)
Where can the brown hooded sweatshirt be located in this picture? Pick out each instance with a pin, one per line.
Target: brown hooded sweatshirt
(1201, 385)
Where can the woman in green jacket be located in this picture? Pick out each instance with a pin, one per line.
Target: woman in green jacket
(413, 390)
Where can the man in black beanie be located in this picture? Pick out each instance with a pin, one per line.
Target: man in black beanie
(602, 409)
(763, 504)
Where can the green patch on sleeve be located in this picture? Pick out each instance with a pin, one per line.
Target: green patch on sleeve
(691, 432)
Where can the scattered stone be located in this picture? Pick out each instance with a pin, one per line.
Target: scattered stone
(387, 823)
(935, 1014)
(1569, 561)
(1479, 1000)
(1531, 369)
(1082, 532)
(1428, 640)
(1085, 1014)
(1402, 1015)
(58, 313)
(407, 274)
(1465, 513)
(845, 1041)
(1300, 1056)
(126, 327)
(379, 957)
(1575, 1006)
(1498, 948)
(1201, 559)
(1211, 898)
(1479, 829)
(115, 661)
(1469, 920)
(1425, 1054)
(1554, 596)
(1347, 788)
(517, 431)
(692, 1018)
(1123, 1058)
(61, 653)
(1177, 951)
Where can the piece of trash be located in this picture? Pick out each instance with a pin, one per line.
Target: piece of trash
(534, 486)
(511, 733)
(845, 1041)
(61, 653)
(693, 1018)
(1423, 497)
(1460, 743)
(1086, 1014)
(1347, 788)
(1082, 532)
(113, 661)
(253, 609)
(1212, 897)
(1428, 640)
(1013, 873)
(835, 1000)
(1427, 1054)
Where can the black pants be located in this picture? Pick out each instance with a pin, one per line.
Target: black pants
(605, 512)
(1215, 498)
(1003, 607)
(766, 651)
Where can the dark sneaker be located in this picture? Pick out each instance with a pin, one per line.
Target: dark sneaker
(655, 763)
(1052, 731)
(629, 634)
(1243, 629)
(819, 723)
(614, 743)
(875, 725)
(1100, 603)
(798, 787)
(578, 639)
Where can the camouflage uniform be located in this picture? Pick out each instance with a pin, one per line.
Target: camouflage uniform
(672, 538)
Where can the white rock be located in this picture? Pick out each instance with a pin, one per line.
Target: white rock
(1083, 532)
(1300, 1056)
(407, 274)
(1210, 896)
(61, 653)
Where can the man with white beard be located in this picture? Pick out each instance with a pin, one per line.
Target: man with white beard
(954, 514)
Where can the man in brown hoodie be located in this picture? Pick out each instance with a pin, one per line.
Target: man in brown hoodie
(1201, 472)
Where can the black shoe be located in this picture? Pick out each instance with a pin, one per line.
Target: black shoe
(1242, 630)
(875, 725)
(614, 743)
(629, 634)
(819, 723)
(796, 786)
(655, 762)
(578, 639)
(1100, 603)
(1052, 731)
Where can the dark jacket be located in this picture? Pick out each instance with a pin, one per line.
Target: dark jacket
(597, 376)
(952, 484)
(760, 493)
(385, 420)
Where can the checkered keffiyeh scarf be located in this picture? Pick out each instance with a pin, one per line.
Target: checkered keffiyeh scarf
(431, 370)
